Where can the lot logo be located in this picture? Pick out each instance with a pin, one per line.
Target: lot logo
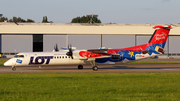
(40, 60)
(19, 61)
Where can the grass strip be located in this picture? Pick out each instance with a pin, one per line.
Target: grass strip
(2, 62)
(89, 86)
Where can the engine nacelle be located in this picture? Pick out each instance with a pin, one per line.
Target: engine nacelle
(115, 57)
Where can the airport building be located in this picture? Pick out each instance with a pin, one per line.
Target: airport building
(35, 37)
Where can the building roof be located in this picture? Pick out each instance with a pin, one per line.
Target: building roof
(83, 28)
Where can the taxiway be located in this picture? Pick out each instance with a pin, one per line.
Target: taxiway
(120, 68)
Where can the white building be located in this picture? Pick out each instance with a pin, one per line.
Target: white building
(31, 37)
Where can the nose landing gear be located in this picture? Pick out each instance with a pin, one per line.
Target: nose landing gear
(13, 68)
(80, 67)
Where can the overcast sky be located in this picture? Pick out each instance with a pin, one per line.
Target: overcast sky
(114, 11)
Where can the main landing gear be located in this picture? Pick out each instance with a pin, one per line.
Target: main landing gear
(95, 68)
(13, 68)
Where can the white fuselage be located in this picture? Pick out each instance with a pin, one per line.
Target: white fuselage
(57, 58)
(43, 58)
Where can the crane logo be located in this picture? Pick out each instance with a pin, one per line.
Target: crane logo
(161, 36)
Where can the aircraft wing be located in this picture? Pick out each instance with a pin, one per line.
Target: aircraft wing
(97, 50)
(94, 53)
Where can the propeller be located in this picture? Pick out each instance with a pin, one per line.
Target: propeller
(56, 48)
(70, 53)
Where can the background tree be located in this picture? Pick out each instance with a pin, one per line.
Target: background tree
(29, 20)
(19, 19)
(85, 19)
(96, 20)
(45, 19)
(2, 19)
(10, 20)
(14, 19)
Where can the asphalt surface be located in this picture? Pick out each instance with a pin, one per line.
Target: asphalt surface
(120, 68)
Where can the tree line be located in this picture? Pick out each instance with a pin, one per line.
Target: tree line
(86, 19)
(83, 19)
(15, 19)
(19, 19)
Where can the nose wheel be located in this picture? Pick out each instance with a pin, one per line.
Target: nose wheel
(14, 68)
(80, 67)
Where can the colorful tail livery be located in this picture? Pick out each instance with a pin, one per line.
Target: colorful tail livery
(71, 56)
(155, 47)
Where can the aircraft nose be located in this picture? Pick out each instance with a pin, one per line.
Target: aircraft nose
(9, 63)
(6, 63)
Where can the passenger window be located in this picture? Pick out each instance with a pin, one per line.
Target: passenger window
(62, 56)
(66, 56)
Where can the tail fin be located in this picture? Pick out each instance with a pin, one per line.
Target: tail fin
(160, 35)
(159, 38)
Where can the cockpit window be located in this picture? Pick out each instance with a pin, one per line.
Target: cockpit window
(19, 56)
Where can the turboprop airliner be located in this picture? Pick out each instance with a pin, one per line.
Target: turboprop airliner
(71, 56)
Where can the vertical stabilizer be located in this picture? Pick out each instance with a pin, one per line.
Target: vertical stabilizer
(158, 39)
(160, 35)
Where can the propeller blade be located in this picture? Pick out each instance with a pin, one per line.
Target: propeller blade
(70, 53)
(56, 48)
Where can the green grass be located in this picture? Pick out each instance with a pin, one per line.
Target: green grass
(2, 62)
(89, 86)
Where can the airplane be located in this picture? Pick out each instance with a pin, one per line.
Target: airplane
(72, 56)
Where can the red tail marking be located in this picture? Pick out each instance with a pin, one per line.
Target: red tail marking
(161, 34)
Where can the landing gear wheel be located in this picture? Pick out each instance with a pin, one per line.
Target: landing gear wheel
(95, 68)
(14, 68)
(80, 67)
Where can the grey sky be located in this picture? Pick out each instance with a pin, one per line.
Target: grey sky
(115, 11)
